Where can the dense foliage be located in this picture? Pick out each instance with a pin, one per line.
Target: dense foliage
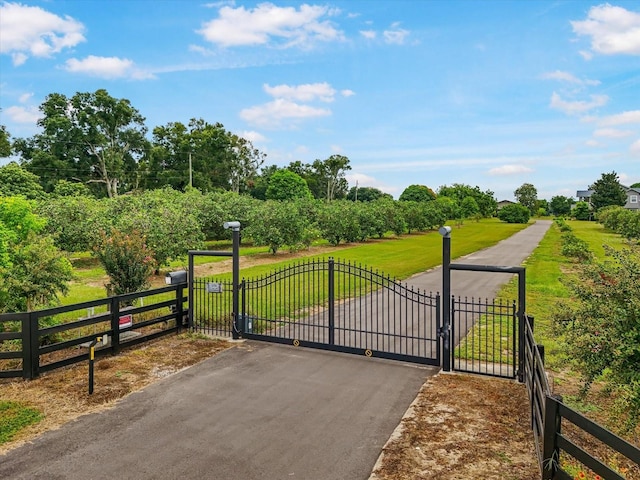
(32, 269)
(527, 195)
(620, 220)
(601, 326)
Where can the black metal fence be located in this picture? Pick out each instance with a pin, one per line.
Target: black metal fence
(36, 342)
(485, 337)
(548, 413)
(212, 312)
(341, 306)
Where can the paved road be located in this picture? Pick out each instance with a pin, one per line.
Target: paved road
(257, 411)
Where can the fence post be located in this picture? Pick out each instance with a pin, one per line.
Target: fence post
(27, 357)
(446, 295)
(550, 450)
(179, 308)
(114, 306)
(332, 307)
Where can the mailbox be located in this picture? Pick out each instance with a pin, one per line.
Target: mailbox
(173, 278)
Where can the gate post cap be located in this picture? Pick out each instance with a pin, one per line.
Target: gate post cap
(231, 225)
(445, 231)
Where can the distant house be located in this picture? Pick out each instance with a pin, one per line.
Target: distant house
(633, 197)
(504, 203)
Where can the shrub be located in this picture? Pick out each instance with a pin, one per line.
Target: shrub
(515, 213)
(127, 260)
(575, 247)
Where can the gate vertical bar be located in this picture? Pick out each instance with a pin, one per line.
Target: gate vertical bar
(446, 294)
(332, 307)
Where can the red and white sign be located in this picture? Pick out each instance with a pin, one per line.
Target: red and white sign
(125, 321)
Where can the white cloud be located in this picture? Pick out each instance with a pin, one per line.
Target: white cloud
(593, 143)
(568, 77)
(32, 31)
(304, 93)
(612, 133)
(23, 114)
(25, 97)
(613, 30)
(368, 34)
(272, 114)
(631, 116)
(363, 180)
(395, 34)
(106, 67)
(586, 55)
(347, 93)
(635, 148)
(253, 136)
(510, 170)
(268, 23)
(572, 108)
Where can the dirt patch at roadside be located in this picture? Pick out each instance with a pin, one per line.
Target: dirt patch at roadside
(463, 427)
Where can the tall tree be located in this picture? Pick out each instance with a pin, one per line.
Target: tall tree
(417, 193)
(286, 185)
(560, 205)
(607, 191)
(527, 195)
(245, 162)
(92, 137)
(331, 175)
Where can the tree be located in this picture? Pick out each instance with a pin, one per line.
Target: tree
(560, 205)
(607, 191)
(277, 224)
(636, 185)
(32, 270)
(527, 195)
(5, 142)
(203, 155)
(515, 213)
(15, 180)
(601, 328)
(582, 211)
(469, 207)
(417, 193)
(458, 192)
(365, 194)
(91, 137)
(330, 174)
(65, 188)
(286, 185)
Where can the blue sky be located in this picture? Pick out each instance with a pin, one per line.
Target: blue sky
(487, 93)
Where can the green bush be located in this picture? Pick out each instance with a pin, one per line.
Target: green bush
(574, 247)
(515, 213)
(127, 260)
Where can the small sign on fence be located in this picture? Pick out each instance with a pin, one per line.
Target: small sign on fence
(213, 287)
(125, 321)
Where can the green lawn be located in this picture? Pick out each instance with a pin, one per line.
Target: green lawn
(14, 417)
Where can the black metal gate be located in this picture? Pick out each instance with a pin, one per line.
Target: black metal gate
(341, 306)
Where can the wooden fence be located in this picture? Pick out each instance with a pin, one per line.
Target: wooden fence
(35, 342)
(549, 413)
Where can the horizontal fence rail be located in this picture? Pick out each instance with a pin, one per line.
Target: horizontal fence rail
(36, 342)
